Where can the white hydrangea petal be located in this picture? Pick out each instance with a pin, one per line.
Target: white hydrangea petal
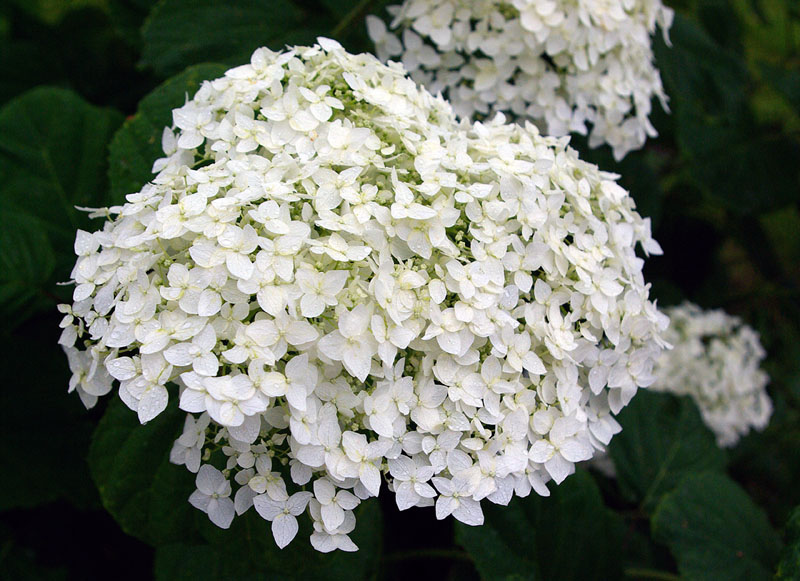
(323, 542)
(243, 499)
(209, 479)
(469, 512)
(284, 529)
(221, 512)
(153, 402)
(298, 501)
(199, 499)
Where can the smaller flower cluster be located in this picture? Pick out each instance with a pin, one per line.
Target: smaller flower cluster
(560, 63)
(715, 360)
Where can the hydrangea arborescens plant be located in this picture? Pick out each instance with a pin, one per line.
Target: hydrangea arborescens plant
(716, 361)
(348, 284)
(564, 64)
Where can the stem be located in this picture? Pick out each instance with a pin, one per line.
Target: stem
(350, 17)
(641, 573)
(450, 554)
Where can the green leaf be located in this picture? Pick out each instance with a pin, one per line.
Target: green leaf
(139, 487)
(789, 567)
(179, 33)
(247, 551)
(137, 144)
(99, 65)
(53, 11)
(781, 228)
(148, 497)
(26, 263)
(756, 171)
(706, 85)
(662, 439)
(786, 81)
(569, 535)
(715, 531)
(52, 158)
(745, 166)
(128, 16)
(18, 67)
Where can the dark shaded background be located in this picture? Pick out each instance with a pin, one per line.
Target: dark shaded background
(720, 182)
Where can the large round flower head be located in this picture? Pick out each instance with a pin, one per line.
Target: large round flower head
(347, 285)
(561, 63)
(715, 360)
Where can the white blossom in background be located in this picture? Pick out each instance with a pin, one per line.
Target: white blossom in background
(351, 289)
(716, 361)
(570, 66)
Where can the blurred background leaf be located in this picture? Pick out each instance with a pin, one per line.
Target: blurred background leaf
(137, 484)
(570, 535)
(715, 531)
(99, 64)
(231, 31)
(789, 566)
(256, 556)
(43, 182)
(42, 465)
(148, 497)
(720, 183)
(663, 439)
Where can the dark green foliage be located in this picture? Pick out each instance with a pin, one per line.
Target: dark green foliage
(43, 182)
(663, 438)
(148, 497)
(789, 567)
(254, 555)
(747, 167)
(72, 45)
(715, 531)
(721, 184)
(137, 484)
(569, 535)
(179, 33)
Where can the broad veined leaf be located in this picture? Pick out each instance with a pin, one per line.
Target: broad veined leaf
(137, 144)
(179, 33)
(715, 531)
(127, 16)
(569, 535)
(789, 567)
(26, 263)
(706, 85)
(785, 81)
(52, 159)
(139, 487)
(745, 166)
(663, 438)
(247, 551)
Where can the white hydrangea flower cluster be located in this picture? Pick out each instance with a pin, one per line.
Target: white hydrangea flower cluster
(560, 63)
(348, 285)
(715, 360)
